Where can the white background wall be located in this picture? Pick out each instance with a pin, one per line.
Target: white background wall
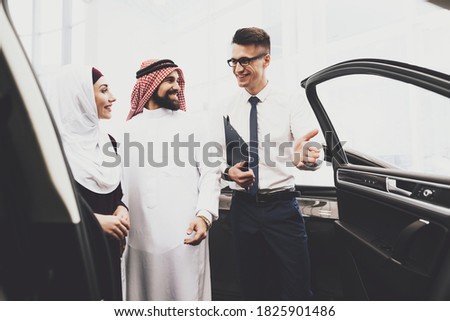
(307, 35)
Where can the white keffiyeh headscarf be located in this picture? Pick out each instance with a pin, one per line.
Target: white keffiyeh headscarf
(71, 96)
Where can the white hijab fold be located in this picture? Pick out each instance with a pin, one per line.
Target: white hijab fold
(71, 96)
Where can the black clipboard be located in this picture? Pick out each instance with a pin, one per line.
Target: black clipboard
(237, 148)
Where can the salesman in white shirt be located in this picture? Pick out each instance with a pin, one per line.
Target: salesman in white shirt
(267, 224)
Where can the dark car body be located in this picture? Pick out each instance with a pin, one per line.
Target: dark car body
(51, 246)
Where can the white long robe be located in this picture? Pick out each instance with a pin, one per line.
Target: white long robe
(163, 199)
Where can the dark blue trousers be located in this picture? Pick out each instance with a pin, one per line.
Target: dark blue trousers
(271, 246)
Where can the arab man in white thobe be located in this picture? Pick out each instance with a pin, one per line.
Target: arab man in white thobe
(172, 189)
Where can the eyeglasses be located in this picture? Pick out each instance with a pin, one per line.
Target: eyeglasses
(244, 61)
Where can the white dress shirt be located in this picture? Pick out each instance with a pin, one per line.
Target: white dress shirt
(283, 117)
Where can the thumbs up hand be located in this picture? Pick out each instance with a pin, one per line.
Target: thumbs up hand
(306, 153)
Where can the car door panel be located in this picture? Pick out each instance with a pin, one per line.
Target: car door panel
(397, 245)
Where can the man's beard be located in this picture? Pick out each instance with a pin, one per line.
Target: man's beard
(166, 102)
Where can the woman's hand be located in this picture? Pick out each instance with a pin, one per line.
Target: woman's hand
(122, 212)
(115, 226)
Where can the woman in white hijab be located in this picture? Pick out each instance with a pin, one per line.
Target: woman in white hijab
(79, 97)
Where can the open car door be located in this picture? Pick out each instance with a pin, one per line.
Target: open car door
(387, 135)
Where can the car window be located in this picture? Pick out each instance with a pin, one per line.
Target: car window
(388, 120)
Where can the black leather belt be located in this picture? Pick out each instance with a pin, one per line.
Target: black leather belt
(284, 195)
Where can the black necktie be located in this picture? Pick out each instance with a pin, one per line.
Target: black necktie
(253, 152)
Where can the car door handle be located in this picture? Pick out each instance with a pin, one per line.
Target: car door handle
(391, 187)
